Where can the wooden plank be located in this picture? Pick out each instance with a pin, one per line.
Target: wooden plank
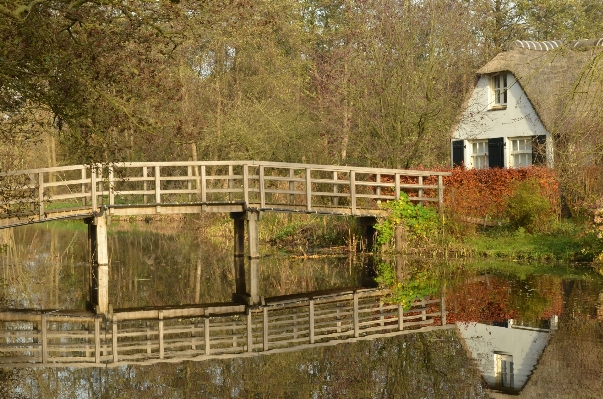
(308, 189)
(111, 187)
(114, 339)
(206, 331)
(230, 182)
(96, 340)
(356, 327)
(44, 339)
(265, 328)
(311, 321)
(161, 347)
(262, 188)
(353, 191)
(292, 186)
(41, 194)
(397, 186)
(441, 194)
(203, 184)
(157, 190)
(145, 184)
(400, 317)
(246, 184)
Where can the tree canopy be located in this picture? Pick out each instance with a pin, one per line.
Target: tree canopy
(377, 82)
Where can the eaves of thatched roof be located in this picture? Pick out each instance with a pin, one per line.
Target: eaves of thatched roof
(562, 81)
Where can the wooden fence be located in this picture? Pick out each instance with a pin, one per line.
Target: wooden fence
(190, 187)
(127, 337)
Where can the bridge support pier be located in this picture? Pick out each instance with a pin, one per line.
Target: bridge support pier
(246, 291)
(367, 228)
(99, 262)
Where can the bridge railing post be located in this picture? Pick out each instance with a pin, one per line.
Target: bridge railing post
(157, 189)
(291, 186)
(308, 190)
(41, 193)
(335, 190)
(246, 184)
(203, 184)
(230, 182)
(353, 192)
(145, 185)
(83, 186)
(111, 187)
(189, 182)
(397, 186)
(93, 179)
(262, 188)
(441, 194)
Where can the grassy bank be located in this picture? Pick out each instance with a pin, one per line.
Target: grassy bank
(568, 241)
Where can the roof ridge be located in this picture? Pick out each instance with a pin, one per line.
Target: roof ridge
(554, 44)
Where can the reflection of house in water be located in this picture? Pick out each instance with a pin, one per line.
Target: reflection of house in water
(506, 355)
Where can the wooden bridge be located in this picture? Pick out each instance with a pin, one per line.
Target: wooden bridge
(244, 189)
(196, 333)
(151, 188)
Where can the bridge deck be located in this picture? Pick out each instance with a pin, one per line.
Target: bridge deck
(152, 188)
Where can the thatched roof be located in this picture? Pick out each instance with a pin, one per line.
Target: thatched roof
(563, 81)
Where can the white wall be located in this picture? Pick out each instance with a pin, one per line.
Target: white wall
(518, 119)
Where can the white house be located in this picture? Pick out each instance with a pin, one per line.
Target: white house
(522, 99)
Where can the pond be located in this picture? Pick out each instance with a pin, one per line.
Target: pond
(511, 328)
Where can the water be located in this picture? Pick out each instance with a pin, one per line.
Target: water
(518, 329)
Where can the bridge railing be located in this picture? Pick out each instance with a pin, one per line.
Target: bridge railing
(262, 185)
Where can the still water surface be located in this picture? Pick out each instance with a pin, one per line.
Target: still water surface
(518, 330)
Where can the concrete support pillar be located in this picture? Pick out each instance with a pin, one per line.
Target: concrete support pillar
(253, 234)
(99, 281)
(367, 228)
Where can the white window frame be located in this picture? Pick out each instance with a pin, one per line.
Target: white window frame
(498, 90)
(503, 367)
(520, 151)
(479, 154)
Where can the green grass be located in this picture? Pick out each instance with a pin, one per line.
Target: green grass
(565, 241)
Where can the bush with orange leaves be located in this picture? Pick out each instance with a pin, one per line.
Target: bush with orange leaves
(481, 193)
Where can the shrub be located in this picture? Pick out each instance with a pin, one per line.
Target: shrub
(419, 221)
(527, 208)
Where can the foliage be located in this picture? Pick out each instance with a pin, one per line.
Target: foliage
(420, 284)
(419, 220)
(483, 192)
(527, 208)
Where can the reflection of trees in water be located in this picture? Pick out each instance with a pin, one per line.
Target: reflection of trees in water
(432, 364)
(490, 298)
(42, 267)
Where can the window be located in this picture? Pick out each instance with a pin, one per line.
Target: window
(499, 91)
(504, 370)
(479, 154)
(521, 152)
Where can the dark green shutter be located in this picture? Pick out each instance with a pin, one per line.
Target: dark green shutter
(458, 152)
(539, 150)
(496, 152)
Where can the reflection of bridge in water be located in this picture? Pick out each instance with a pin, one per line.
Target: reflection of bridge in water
(174, 334)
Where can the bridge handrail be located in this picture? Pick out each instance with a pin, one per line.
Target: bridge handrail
(333, 168)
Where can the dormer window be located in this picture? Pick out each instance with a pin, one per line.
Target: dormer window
(499, 91)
